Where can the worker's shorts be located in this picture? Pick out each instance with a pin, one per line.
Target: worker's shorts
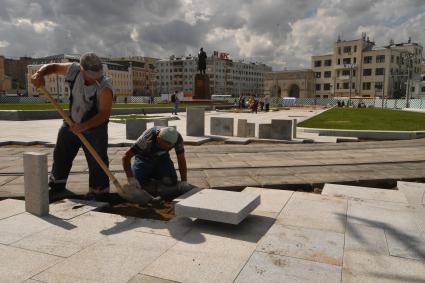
(159, 168)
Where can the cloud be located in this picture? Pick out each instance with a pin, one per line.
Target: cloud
(281, 33)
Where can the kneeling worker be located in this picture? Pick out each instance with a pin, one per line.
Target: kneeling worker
(152, 164)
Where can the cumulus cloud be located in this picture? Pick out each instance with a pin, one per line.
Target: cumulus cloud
(281, 33)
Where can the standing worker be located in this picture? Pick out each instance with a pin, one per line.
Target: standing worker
(90, 105)
(152, 162)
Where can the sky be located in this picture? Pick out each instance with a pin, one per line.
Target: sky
(281, 33)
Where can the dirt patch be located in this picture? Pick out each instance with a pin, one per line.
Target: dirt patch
(163, 212)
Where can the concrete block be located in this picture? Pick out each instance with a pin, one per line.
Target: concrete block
(195, 122)
(282, 129)
(160, 123)
(250, 130)
(263, 267)
(221, 126)
(414, 192)
(365, 238)
(264, 131)
(134, 128)
(35, 182)
(219, 206)
(242, 128)
(317, 245)
(272, 201)
(354, 192)
(294, 128)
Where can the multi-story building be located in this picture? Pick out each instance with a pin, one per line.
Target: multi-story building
(16, 69)
(357, 68)
(294, 83)
(226, 76)
(55, 84)
(143, 74)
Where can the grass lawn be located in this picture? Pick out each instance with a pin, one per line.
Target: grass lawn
(46, 106)
(367, 119)
(133, 116)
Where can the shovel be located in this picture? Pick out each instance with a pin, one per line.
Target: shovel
(127, 192)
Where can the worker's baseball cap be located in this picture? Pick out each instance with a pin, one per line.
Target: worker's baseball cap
(92, 65)
(168, 134)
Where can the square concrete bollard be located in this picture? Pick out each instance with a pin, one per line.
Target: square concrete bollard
(195, 122)
(242, 128)
(264, 131)
(35, 183)
(282, 129)
(160, 123)
(221, 126)
(294, 129)
(250, 130)
(134, 128)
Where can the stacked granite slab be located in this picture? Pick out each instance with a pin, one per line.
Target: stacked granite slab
(195, 122)
(245, 129)
(134, 128)
(221, 126)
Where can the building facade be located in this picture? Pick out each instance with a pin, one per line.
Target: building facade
(357, 68)
(296, 83)
(226, 77)
(55, 84)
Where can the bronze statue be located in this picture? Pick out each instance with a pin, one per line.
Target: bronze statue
(202, 61)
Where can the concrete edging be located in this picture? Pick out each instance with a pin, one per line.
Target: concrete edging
(367, 134)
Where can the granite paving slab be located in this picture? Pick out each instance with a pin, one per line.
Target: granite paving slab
(406, 244)
(315, 211)
(414, 192)
(355, 192)
(365, 238)
(368, 267)
(264, 267)
(220, 206)
(70, 208)
(117, 258)
(10, 207)
(272, 201)
(17, 265)
(304, 243)
(141, 278)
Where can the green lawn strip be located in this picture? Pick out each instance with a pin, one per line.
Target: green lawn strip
(133, 116)
(48, 106)
(367, 119)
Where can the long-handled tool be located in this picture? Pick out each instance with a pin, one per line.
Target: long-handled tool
(138, 196)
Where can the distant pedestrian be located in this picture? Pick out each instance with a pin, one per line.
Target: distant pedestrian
(175, 101)
(267, 103)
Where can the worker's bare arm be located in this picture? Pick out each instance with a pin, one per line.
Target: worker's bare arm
(55, 68)
(126, 162)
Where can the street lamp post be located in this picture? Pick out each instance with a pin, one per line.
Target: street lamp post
(351, 66)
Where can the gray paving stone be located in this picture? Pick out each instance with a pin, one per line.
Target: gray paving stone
(70, 208)
(367, 267)
(22, 225)
(35, 183)
(407, 244)
(250, 130)
(414, 192)
(232, 182)
(314, 211)
(220, 206)
(221, 126)
(263, 267)
(365, 238)
(175, 228)
(355, 192)
(204, 256)
(242, 128)
(282, 129)
(304, 243)
(17, 265)
(141, 278)
(10, 207)
(134, 128)
(272, 201)
(386, 215)
(116, 258)
(195, 122)
(264, 131)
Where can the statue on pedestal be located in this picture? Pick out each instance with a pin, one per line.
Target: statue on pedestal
(202, 61)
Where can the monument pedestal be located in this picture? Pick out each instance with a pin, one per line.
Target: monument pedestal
(202, 87)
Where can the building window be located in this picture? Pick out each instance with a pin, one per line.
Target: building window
(378, 85)
(328, 63)
(366, 85)
(327, 87)
(317, 63)
(317, 86)
(339, 61)
(339, 50)
(318, 75)
(345, 72)
(327, 74)
(367, 72)
(355, 48)
(347, 49)
(346, 61)
(345, 85)
(379, 71)
(423, 89)
(380, 58)
(367, 59)
(337, 86)
(412, 89)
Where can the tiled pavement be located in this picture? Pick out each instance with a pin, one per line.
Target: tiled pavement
(343, 235)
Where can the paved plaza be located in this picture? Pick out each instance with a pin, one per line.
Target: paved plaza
(329, 212)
